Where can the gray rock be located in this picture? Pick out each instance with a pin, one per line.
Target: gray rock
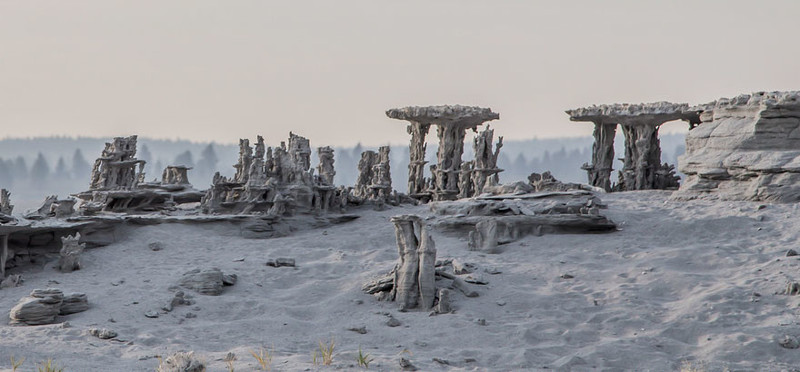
(203, 281)
(460, 267)
(791, 253)
(184, 362)
(40, 307)
(281, 262)
(155, 246)
(151, 314)
(102, 333)
(393, 322)
(406, 365)
(11, 281)
(74, 303)
(360, 330)
(789, 342)
(745, 148)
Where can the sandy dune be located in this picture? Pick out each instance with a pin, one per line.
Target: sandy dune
(696, 281)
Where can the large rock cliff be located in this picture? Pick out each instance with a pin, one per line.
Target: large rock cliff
(745, 148)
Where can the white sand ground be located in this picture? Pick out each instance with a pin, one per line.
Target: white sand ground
(681, 281)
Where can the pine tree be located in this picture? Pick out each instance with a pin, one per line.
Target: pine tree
(80, 167)
(6, 175)
(20, 169)
(207, 164)
(60, 172)
(40, 171)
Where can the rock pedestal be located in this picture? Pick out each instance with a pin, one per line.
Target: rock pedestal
(642, 169)
(452, 123)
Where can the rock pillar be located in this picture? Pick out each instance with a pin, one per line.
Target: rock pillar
(642, 156)
(416, 161)
(451, 147)
(599, 171)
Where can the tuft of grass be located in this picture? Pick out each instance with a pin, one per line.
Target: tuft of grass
(16, 363)
(363, 359)
(49, 366)
(325, 356)
(264, 358)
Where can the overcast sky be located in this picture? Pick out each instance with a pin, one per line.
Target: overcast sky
(221, 70)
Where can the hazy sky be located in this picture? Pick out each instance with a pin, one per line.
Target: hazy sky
(221, 70)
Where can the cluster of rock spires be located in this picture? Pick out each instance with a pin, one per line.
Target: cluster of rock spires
(276, 181)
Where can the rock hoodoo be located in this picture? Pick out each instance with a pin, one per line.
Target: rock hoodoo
(452, 123)
(642, 169)
(117, 183)
(745, 148)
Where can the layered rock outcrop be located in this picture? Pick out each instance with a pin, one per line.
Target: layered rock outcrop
(745, 148)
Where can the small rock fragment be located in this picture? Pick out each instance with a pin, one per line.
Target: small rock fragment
(442, 361)
(151, 314)
(229, 279)
(791, 253)
(789, 342)
(155, 246)
(460, 267)
(793, 288)
(279, 262)
(102, 333)
(11, 281)
(360, 330)
(480, 321)
(190, 315)
(406, 365)
(393, 322)
(567, 276)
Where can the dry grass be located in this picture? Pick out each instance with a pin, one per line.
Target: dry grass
(325, 356)
(49, 366)
(264, 358)
(16, 363)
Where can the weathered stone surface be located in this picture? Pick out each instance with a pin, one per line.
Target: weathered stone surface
(40, 307)
(70, 252)
(74, 303)
(205, 281)
(746, 148)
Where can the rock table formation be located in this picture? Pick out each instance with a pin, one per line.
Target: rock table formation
(746, 148)
(452, 123)
(642, 168)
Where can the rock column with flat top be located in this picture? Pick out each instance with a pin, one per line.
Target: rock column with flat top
(642, 169)
(451, 123)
